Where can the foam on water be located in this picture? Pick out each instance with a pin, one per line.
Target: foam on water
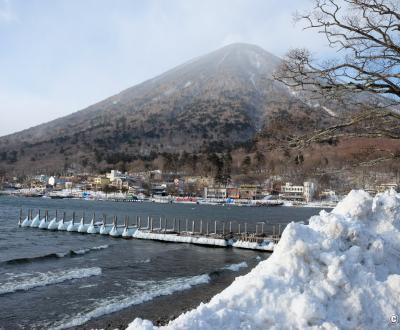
(236, 267)
(42, 279)
(139, 292)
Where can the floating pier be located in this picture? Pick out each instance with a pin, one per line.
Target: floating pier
(201, 232)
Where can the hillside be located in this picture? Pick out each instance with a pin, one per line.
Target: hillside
(215, 103)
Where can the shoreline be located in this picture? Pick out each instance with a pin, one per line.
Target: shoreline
(164, 309)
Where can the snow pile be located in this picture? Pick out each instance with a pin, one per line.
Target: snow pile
(339, 272)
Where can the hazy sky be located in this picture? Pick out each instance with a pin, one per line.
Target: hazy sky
(59, 56)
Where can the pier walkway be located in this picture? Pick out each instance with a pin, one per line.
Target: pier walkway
(264, 236)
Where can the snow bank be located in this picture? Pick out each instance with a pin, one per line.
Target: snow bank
(339, 272)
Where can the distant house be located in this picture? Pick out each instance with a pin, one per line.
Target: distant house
(233, 192)
(101, 180)
(159, 190)
(387, 186)
(305, 192)
(215, 192)
(114, 175)
(249, 191)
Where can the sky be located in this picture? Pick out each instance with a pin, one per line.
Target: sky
(60, 56)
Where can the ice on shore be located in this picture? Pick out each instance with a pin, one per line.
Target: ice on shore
(339, 272)
(180, 239)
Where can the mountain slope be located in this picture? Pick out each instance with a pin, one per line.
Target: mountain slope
(212, 103)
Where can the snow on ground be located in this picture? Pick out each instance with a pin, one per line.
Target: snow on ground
(339, 272)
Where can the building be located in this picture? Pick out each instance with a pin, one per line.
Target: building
(387, 186)
(159, 190)
(309, 190)
(101, 181)
(250, 192)
(215, 192)
(114, 175)
(306, 192)
(233, 193)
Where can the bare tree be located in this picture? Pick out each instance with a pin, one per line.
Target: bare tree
(366, 35)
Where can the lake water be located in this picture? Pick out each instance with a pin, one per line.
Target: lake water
(57, 280)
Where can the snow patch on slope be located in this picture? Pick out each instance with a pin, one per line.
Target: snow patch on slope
(339, 272)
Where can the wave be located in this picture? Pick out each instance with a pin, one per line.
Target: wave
(70, 253)
(141, 292)
(236, 267)
(48, 278)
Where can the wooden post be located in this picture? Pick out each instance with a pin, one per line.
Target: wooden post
(201, 226)
(63, 218)
(104, 219)
(207, 227)
(151, 224)
(262, 228)
(230, 227)
(46, 216)
(126, 222)
(273, 230)
(187, 223)
(173, 229)
(215, 227)
(192, 226)
(138, 220)
(160, 224)
(223, 228)
(73, 218)
(179, 226)
(245, 228)
(165, 227)
(56, 215)
(239, 228)
(114, 220)
(279, 230)
(39, 214)
(148, 222)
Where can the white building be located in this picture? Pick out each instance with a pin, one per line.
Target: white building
(305, 192)
(114, 175)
